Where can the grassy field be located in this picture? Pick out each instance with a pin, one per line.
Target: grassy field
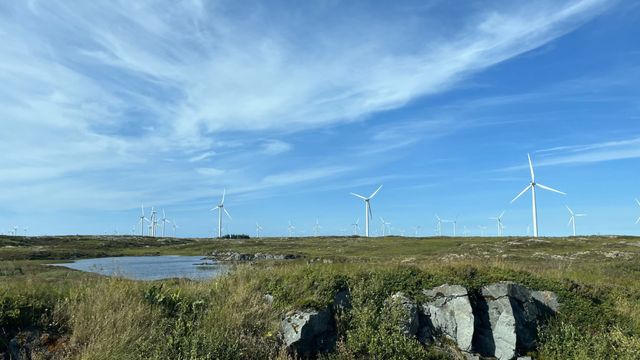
(90, 317)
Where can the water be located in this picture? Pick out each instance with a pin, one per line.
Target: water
(151, 267)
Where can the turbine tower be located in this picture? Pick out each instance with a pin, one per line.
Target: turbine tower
(498, 219)
(367, 209)
(221, 209)
(533, 186)
(572, 219)
(416, 230)
(258, 229)
(482, 229)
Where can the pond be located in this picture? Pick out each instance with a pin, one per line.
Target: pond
(151, 267)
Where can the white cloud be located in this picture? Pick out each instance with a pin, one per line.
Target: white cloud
(275, 147)
(108, 88)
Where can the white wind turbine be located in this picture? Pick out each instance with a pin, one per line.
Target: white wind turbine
(416, 230)
(638, 202)
(142, 220)
(164, 221)
(385, 225)
(465, 231)
(153, 222)
(572, 219)
(482, 229)
(356, 227)
(220, 209)
(367, 209)
(533, 186)
(175, 227)
(258, 230)
(316, 227)
(290, 228)
(439, 225)
(498, 219)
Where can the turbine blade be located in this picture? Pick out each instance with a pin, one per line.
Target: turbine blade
(375, 192)
(638, 201)
(533, 176)
(224, 192)
(570, 211)
(551, 189)
(226, 212)
(360, 196)
(501, 215)
(570, 220)
(521, 193)
(580, 214)
(638, 221)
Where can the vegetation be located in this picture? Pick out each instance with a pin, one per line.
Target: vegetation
(85, 316)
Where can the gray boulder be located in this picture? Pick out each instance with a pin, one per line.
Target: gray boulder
(507, 318)
(308, 332)
(448, 312)
(408, 320)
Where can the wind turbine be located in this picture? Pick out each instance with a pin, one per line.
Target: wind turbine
(316, 227)
(25, 230)
(356, 227)
(154, 222)
(638, 202)
(142, 220)
(482, 229)
(439, 226)
(164, 220)
(532, 186)
(385, 225)
(175, 226)
(572, 219)
(455, 225)
(498, 219)
(258, 229)
(416, 229)
(367, 209)
(290, 228)
(465, 231)
(220, 209)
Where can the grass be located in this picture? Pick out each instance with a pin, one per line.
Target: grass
(92, 317)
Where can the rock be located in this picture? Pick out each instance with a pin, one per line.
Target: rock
(309, 332)
(449, 313)
(408, 321)
(547, 302)
(342, 301)
(268, 298)
(507, 317)
(524, 358)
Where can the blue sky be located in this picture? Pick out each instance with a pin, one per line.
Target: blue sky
(105, 105)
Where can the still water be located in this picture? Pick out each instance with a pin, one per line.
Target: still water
(151, 267)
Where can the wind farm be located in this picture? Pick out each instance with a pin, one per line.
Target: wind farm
(319, 180)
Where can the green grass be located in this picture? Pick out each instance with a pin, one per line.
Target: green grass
(93, 317)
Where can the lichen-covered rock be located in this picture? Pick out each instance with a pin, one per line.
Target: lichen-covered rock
(308, 332)
(448, 312)
(507, 317)
(408, 320)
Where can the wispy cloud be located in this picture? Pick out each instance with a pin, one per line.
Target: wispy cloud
(117, 86)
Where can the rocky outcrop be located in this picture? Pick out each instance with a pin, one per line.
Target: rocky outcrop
(500, 321)
(448, 313)
(406, 311)
(308, 332)
(507, 318)
(240, 257)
